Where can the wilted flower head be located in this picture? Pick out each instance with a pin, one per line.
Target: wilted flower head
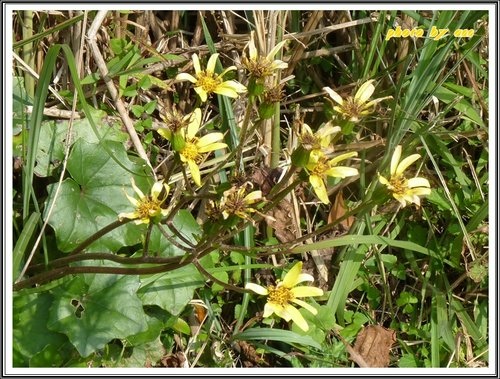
(238, 201)
(319, 167)
(402, 189)
(260, 66)
(192, 149)
(354, 108)
(286, 292)
(147, 207)
(319, 140)
(207, 81)
(175, 121)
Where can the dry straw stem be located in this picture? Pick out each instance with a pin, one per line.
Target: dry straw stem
(101, 64)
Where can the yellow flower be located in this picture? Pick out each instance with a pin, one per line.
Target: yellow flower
(238, 202)
(147, 208)
(259, 66)
(319, 140)
(286, 292)
(405, 190)
(320, 167)
(354, 108)
(194, 148)
(207, 81)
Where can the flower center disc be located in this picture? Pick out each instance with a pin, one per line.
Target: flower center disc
(190, 151)
(399, 184)
(208, 82)
(280, 295)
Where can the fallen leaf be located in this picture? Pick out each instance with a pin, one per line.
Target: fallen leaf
(281, 216)
(338, 211)
(282, 221)
(373, 344)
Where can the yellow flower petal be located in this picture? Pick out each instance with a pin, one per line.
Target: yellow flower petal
(275, 50)
(196, 63)
(305, 305)
(372, 103)
(334, 95)
(278, 65)
(418, 182)
(184, 76)
(194, 124)
(212, 62)
(383, 180)
(201, 93)
(306, 291)
(256, 288)
(396, 156)
(195, 171)
(319, 188)
(209, 139)
(342, 157)
(292, 276)
(271, 308)
(297, 318)
(226, 70)
(253, 197)
(137, 190)
(305, 278)
(252, 50)
(156, 189)
(226, 91)
(230, 88)
(211, 147)
(401, 199)
(133, 200)
(405, 163)
(129, 215)
(421, 191)
(364, 92)
(341, 171)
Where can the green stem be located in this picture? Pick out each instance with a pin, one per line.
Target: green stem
(247, 274)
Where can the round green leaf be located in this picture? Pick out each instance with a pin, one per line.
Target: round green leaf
(91, 314)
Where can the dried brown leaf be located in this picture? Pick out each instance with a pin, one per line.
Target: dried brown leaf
(338, 210)
(373, 344)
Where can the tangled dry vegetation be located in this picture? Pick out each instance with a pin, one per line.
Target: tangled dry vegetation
(250, 189)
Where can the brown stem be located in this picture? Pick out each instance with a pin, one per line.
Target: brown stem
(115, 224)
(215, 280)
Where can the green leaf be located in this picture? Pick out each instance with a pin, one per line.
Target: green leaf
(20, 100)
(155, 326)
(408, 360)
(94, 309)
(23, 242)
(30, 333)
(137, 110)
(117, 45)
(447, 96)
(94, 197)
(150, 107)
(144, 355)
(130, 91)
(145, 82)
(184, 224)
(286, 336)
(53, 138)
(171, 290)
